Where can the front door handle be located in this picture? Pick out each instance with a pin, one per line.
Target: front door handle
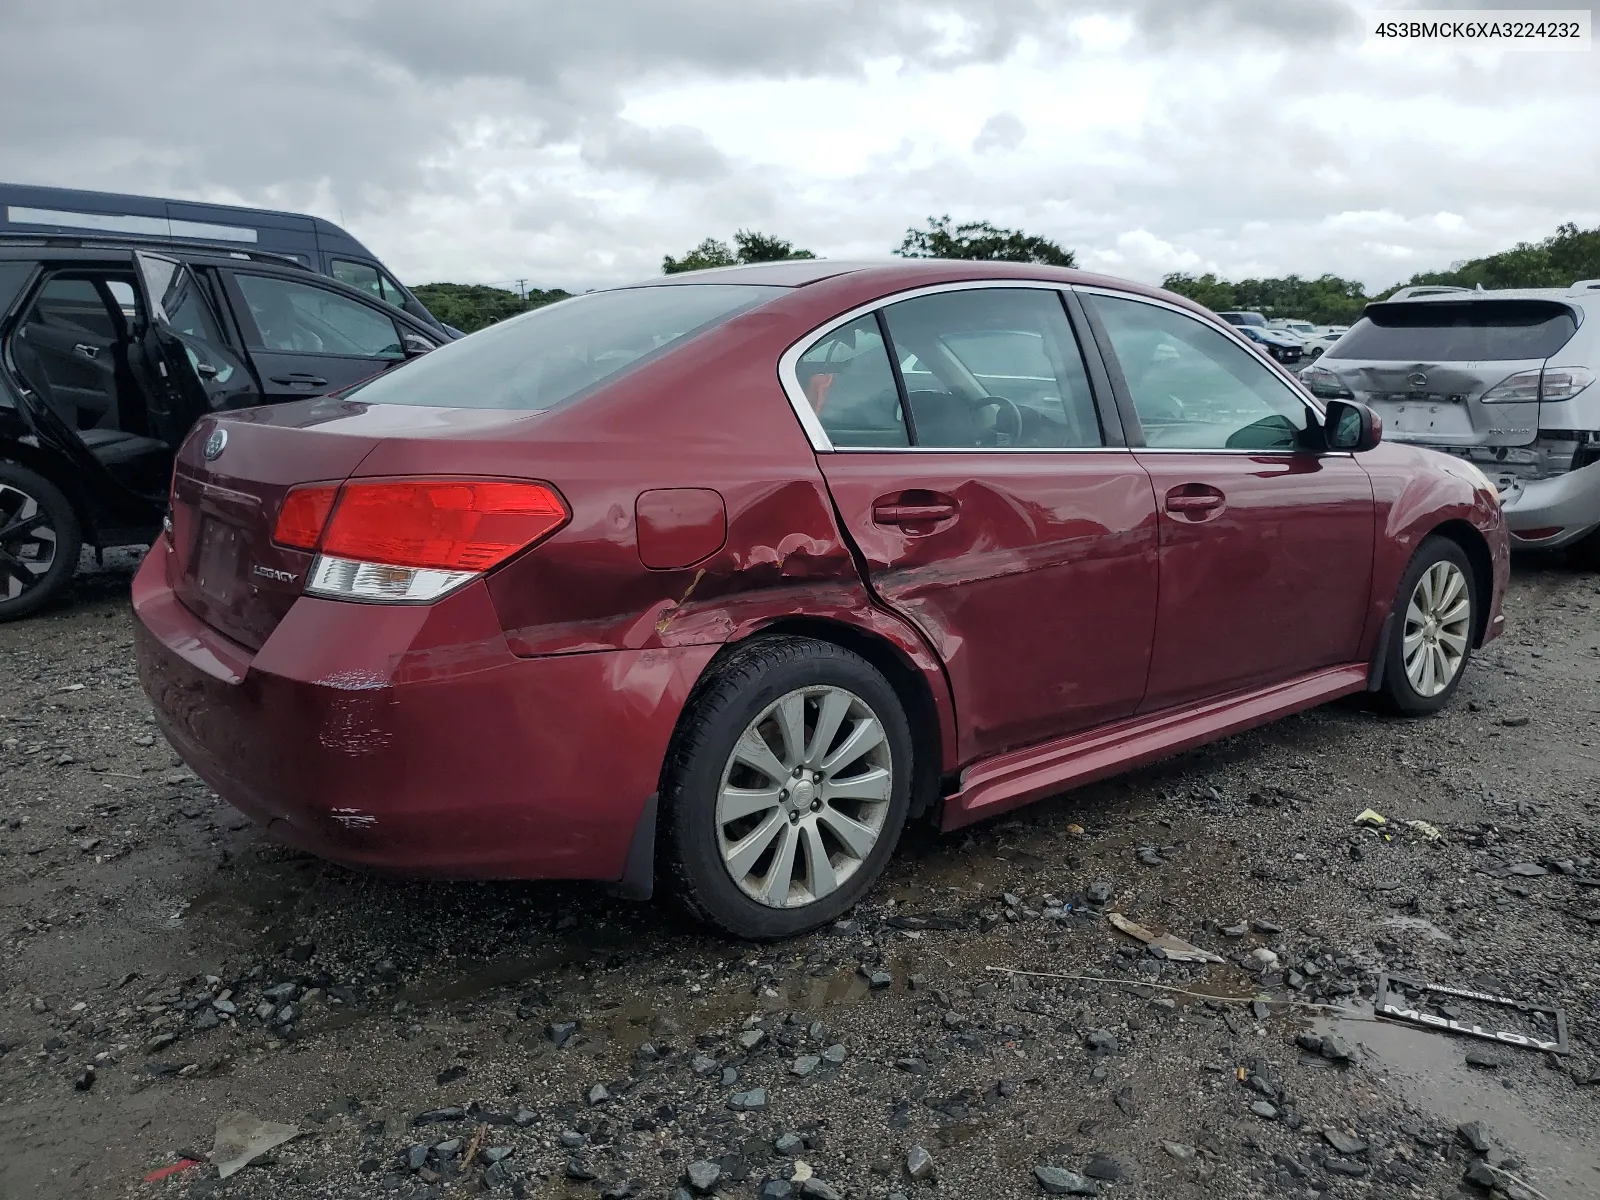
(84, 350)
(300, 379)
(1195, 501)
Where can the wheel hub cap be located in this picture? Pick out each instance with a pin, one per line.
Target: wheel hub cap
(27, 542)
(804, 796)
(1438, 628)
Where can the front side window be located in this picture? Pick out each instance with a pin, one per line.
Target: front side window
(370, 280)
(993, 367)
(306, 319)
(1195, 388)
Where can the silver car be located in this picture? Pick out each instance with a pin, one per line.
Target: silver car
(1501, 378)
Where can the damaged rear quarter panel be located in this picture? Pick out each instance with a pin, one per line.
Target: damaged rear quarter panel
(711, 416)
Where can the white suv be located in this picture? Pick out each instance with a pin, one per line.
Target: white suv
(1504, 379)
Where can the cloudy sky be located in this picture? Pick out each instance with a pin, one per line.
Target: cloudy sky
(575, 143)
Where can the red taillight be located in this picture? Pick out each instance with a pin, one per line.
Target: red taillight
(440, 524)
(409, 541)
(304, 513)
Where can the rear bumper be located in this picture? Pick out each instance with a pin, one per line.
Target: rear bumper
(409, 738)
(1570, 502)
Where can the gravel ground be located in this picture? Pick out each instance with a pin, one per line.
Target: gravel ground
(164, 966)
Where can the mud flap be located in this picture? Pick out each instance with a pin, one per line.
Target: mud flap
(638, 880)
(1380, 660)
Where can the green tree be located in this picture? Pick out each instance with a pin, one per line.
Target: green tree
(1568, 255)
(756, 247)
(1326, 300)
(472, 306)
(709, 253)
(1216, 294)
(980, 239)
(748, 247)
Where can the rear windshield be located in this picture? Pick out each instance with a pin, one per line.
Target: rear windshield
(547, 357)
(1459, 331)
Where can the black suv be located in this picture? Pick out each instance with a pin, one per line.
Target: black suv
(109, 352)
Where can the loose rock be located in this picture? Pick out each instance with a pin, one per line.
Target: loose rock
(1058, 1181)
(919, 1163)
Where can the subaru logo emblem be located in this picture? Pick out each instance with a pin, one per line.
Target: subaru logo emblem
(216, 444)
(1416, 379)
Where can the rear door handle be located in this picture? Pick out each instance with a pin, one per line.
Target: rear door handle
(1195, 502)
(300, 379)
(84, 350)
(912, 514)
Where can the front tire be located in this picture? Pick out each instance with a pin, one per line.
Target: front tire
(786, 789)
(1430, 637)
(39, 542)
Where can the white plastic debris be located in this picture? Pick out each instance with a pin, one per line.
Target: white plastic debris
(243, 1138)
(1174, 948)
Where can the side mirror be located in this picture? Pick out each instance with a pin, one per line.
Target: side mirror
(415, 344)
(1351, 427)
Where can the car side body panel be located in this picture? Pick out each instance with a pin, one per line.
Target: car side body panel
(1417, 492)
(366, 691)
(518, 727)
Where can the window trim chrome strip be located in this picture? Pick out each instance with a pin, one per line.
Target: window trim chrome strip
(789, 379)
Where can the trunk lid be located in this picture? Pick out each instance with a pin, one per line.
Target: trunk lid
(1424, 366)
(1440, 403)
(225, 497)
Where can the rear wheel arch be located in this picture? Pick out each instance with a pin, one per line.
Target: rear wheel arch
(909, 682)
(1476, 547)
(52, 468)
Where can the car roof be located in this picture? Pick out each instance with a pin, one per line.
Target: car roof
(886, 276)
(29, 246)
(1584, 289)
(803, 271)
(96, 250)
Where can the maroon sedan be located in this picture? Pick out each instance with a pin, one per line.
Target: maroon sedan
(723, 578)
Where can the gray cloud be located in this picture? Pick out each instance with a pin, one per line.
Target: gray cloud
(1003, 131)
(491, 137)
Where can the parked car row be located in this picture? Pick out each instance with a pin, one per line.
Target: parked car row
(1287, 339)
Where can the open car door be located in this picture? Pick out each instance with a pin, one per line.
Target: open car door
(189, 368)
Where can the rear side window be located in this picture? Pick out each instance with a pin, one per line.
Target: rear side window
(849, 384)
(73, 304)
(546, 357)
(993, 367)
(369, 279)
(1452, 331)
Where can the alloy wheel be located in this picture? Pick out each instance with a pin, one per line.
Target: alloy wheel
(1437, 629)
(804, 796)
(28, 542)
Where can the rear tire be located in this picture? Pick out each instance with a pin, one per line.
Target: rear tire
(39, 542)
(1430, 638)
(786, 788)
